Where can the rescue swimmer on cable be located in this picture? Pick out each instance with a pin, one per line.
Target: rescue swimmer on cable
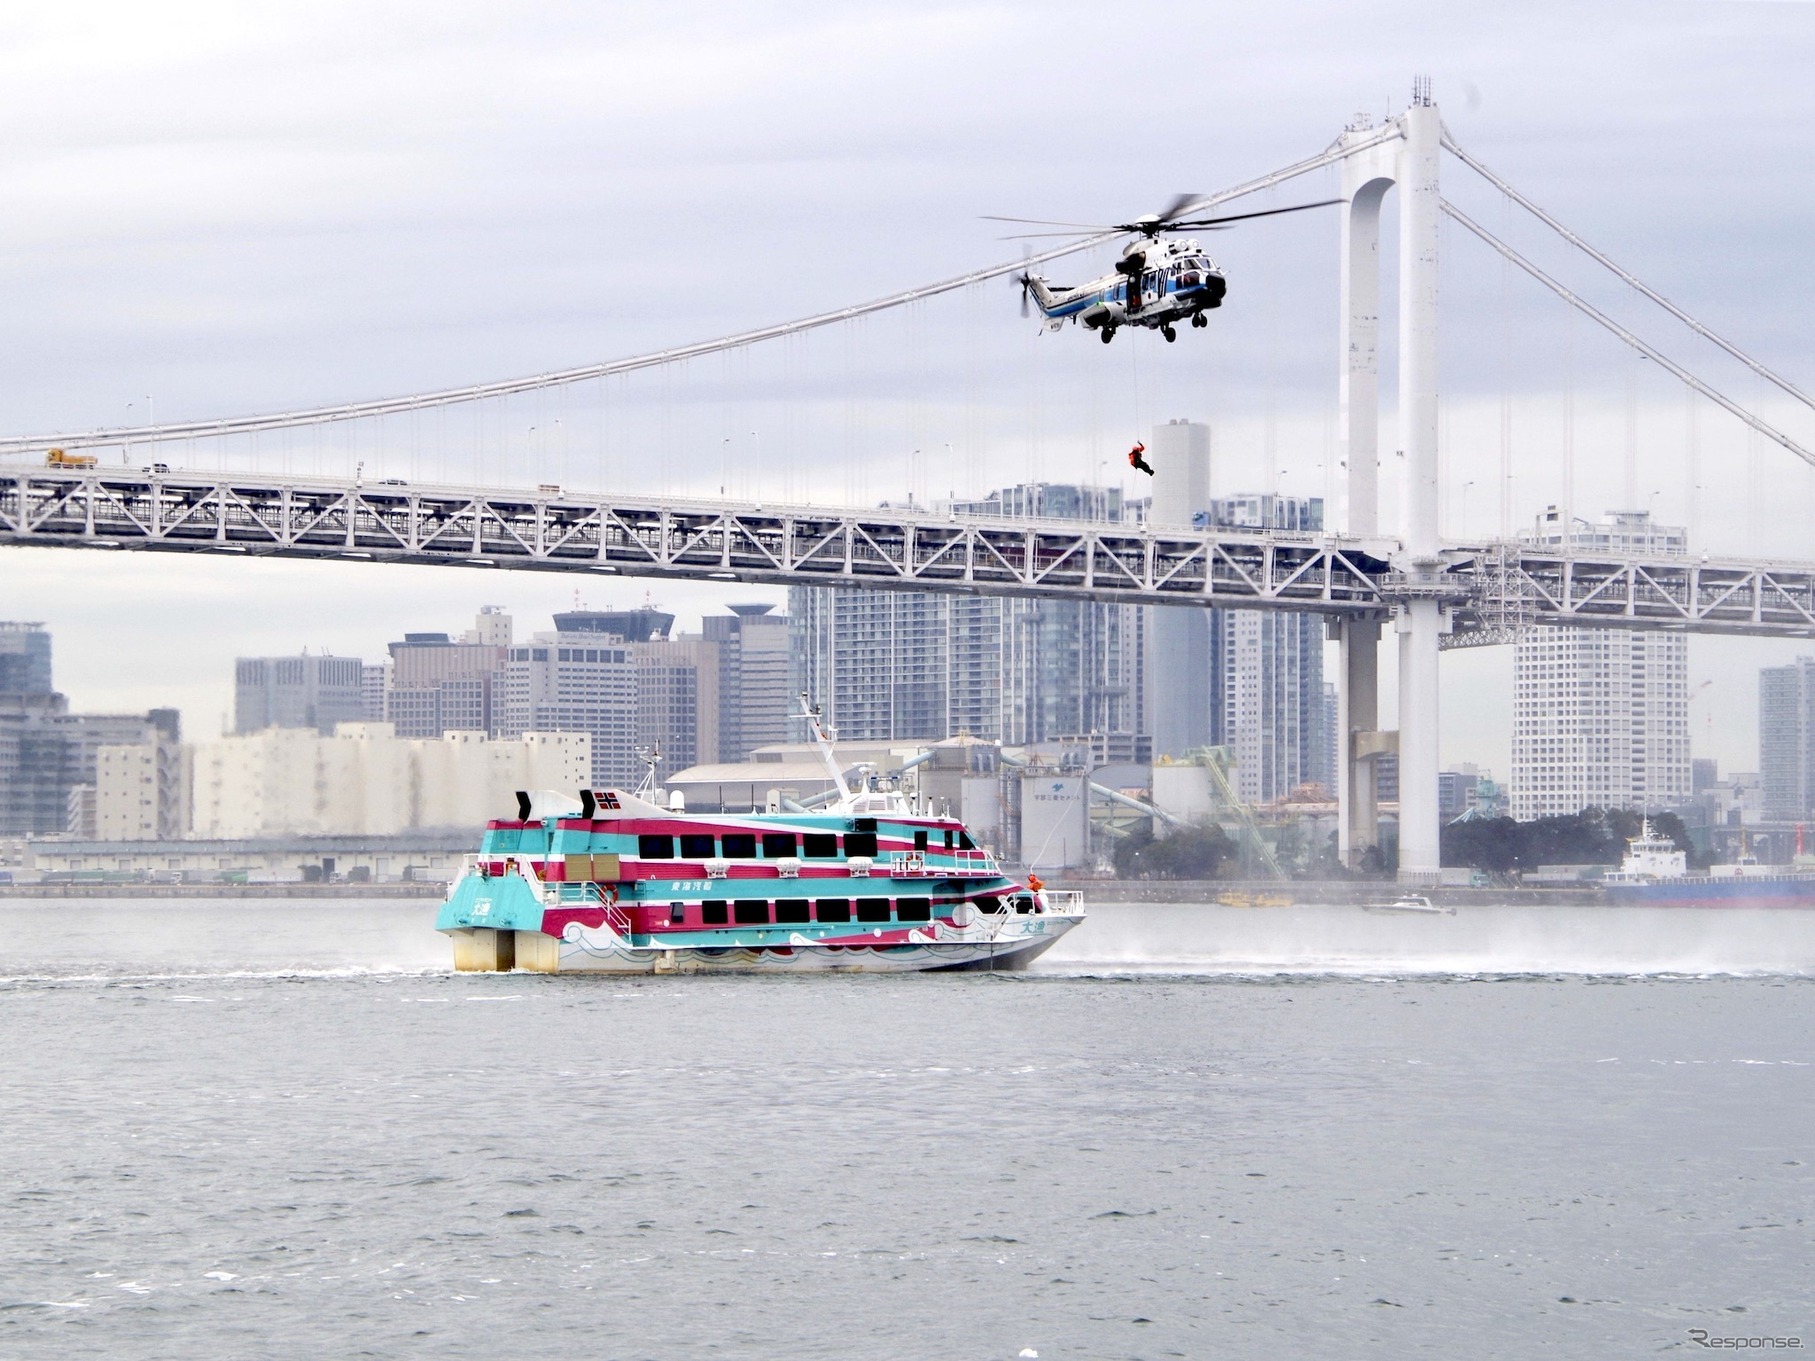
(1157, 283)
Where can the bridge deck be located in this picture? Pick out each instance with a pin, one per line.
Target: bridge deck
(1492, 590)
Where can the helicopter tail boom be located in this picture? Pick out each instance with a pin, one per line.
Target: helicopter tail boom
(1041, 291)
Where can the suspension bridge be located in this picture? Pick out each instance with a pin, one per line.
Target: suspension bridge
(1438, 592)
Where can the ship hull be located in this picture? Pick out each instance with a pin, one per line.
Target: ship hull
(1699, 892)
(582, 951)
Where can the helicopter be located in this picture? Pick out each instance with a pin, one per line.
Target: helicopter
(1157, 283)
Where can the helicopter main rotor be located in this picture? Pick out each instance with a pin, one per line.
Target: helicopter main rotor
(1151, 225)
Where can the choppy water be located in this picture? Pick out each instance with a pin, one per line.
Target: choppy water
(284, 1130)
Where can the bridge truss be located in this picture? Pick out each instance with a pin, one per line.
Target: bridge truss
(1488, 591)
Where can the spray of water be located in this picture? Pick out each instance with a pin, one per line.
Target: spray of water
(1170, 938)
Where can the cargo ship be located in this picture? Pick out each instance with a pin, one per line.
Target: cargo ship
(874, 882)
(1655, 873)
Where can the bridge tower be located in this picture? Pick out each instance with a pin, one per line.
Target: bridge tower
(1408, 161)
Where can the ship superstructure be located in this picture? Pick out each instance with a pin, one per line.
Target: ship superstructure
(614, 882)
(1655, 873)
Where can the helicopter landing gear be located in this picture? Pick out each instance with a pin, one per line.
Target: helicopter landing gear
(1199, 320)
(1170, 334)
(1107, 334)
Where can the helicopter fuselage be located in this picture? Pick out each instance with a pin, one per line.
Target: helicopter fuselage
(1157, 284)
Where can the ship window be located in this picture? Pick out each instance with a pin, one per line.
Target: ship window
(989, 903)
(913, 909)
(712, 912)
(1024, 905)
(739, 845)
(751, 911)
(964, 841)
(655, 847)
(860, 843)
(819, 846)
(863, 824)
(833, 909)
(778, 844)
(872, 909)
(677, 914)
(788, 911)
(696, 847)
(948, 838)
(920, 839)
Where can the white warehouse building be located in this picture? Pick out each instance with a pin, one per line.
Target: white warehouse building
(366, 781)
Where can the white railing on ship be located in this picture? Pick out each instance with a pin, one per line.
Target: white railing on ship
(1065, 900)
(615, 917)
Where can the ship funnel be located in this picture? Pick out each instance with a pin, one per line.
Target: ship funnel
(548, 803)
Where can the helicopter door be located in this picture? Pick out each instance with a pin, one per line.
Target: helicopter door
(1134, 294)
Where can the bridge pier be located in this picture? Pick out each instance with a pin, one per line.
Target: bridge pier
(1358, 739)
(1409, 163)
(1420, 618)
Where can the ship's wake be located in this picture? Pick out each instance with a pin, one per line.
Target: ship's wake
(1207, 939)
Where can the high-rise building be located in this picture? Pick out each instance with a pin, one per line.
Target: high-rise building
(1600, 716)
(1250, 680)
(1269, 703)
(556, 684)
(439, 685)
(878, 662)
(297, 692)
(1786, 739)
(1178, 636)
(1266, 688)
(921, 665)
(374, 684)
(48, 756)
(753, 697)
(24, 659)
(618, 676)
(1332, 739)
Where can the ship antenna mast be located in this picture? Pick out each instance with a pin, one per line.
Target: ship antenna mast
(651, 757)
(822, 739)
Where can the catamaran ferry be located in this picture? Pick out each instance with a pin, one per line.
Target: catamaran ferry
(615, 883)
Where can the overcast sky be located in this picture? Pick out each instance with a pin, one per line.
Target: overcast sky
(219, 208)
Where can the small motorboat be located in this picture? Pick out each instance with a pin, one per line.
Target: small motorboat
(1415, 903)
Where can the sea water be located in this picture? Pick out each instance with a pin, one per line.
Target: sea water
(286, 1129)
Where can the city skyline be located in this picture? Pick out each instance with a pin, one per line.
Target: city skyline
(280, 609)
(339, 277)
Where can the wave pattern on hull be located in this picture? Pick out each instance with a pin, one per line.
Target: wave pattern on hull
(586, 951)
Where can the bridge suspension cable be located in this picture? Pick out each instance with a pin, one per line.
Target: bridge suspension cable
(1763, 372)
(1588, 309)
(347, 411)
